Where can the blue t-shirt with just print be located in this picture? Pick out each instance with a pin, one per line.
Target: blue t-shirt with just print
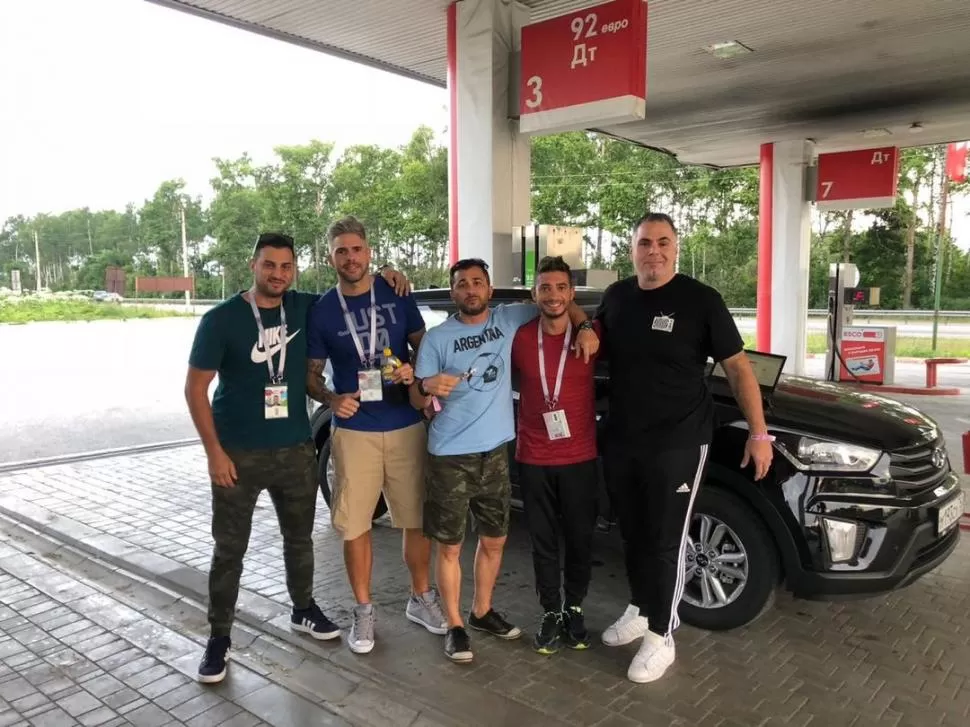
(477, 416)
(329, 338)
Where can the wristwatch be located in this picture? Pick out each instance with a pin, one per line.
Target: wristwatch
(586, 325)
(423, 391)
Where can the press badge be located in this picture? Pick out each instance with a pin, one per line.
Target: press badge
(370, 384)
(556, 425)
(663, 323)
(275, 402)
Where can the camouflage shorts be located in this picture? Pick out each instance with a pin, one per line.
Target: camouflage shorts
(463, 483)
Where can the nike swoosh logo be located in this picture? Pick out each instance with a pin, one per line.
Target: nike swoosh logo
(257, 356)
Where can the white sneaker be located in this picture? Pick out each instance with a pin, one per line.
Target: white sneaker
(627, 628)
(361, 636)
(655, 656)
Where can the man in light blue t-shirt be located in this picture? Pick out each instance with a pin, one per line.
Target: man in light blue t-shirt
(464, 368)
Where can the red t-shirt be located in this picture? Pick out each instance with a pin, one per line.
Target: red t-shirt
(576, 398)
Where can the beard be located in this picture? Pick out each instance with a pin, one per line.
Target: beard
(266, 289)
(553, 314)
(352, 277)
(473, 310)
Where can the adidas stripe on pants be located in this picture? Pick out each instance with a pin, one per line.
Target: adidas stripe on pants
(653, 493)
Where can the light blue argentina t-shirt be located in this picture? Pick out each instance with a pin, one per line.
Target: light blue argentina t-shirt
(477, 416)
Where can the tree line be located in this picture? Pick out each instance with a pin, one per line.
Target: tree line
(401, 194)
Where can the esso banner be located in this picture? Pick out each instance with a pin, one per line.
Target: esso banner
(863, 352)
(864, 179)
(586, 68)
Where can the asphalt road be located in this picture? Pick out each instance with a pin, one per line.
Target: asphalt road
(80, 387)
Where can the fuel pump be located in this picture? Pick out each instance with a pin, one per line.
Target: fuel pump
(863, 354)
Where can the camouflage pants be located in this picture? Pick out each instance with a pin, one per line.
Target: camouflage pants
(289, 474)
(457, 484)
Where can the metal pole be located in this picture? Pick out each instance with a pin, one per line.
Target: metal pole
(944, 191)
(185, 254)
(37, 257)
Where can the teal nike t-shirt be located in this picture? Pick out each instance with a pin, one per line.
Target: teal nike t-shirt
(227, 341)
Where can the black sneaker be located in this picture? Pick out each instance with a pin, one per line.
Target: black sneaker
(494, 624)
(547, 640)
(212, 669)
(574, 631)
(313, 621)
(457, 646)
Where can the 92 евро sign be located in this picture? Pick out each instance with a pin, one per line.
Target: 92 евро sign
(864, 179)
(585, 68)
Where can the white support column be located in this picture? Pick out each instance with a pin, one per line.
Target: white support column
(491, 160)
(791, 234)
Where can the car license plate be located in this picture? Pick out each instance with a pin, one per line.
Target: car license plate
(949, 514)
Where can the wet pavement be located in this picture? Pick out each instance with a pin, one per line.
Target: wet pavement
(899, 659)
(82, 644)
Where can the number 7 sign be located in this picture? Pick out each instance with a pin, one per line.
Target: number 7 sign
(864, 179)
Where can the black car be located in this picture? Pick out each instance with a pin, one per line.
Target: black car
(860, 498)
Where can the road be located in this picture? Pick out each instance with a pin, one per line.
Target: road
(952, 328)
(79, 387)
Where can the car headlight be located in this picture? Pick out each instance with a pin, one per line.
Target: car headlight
(819, 455)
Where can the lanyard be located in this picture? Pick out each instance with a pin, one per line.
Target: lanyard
(554, 401)
(366, 363)
(273, 376)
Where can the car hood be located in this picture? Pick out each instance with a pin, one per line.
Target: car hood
(838, 411)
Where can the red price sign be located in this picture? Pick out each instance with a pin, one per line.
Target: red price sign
(585, 68)
(863, 179)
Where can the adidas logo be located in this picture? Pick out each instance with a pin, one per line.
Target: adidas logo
(683, 488)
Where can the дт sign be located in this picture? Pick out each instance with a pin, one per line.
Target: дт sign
(864, 179)
(586, 68)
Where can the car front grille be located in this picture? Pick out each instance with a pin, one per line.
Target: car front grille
(919, 468)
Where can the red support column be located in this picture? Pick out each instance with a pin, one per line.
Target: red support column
(765, 213)
(453, 133)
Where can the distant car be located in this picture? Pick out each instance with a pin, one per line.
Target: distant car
(103, 296)
(860, 498)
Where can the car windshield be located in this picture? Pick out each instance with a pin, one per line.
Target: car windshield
(433, 316)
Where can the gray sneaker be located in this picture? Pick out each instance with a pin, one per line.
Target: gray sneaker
(361, 637)
(426, 611)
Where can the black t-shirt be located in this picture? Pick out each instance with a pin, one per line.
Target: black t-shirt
(657, 343)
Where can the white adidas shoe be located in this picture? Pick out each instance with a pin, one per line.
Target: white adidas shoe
(626, 629)
(655, 656)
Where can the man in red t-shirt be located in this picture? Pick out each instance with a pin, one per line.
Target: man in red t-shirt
(556, 450)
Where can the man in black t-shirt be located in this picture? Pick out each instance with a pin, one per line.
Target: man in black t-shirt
(659, 329)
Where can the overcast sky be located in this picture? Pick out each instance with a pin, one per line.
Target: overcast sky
(101, 100)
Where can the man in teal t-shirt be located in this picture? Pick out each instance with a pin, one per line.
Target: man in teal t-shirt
(256, 435)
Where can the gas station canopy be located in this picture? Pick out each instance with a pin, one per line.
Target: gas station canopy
(846, 75)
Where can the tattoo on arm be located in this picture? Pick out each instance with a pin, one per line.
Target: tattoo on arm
(316, 389)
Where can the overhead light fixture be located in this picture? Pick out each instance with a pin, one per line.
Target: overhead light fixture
(728, 49)
(876, 133)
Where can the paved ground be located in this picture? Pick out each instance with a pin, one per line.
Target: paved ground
(82, 644)
(902, 659)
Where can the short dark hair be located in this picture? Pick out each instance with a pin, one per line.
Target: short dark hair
(656, 217)
(273, 239)
(554, 264)
(346, 225)
(465, 264)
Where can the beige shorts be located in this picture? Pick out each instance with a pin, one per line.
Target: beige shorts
(367, 463)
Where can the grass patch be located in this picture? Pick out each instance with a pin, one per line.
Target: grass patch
(906, 347)
(32, 311)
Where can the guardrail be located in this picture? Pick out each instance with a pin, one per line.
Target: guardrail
(740, 312)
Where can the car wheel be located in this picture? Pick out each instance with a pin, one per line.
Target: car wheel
(325, 476)
(730, 564)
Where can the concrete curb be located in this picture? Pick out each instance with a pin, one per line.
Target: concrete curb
(25, 464)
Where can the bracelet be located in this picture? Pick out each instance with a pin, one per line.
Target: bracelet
(421, 390)
(762, 437)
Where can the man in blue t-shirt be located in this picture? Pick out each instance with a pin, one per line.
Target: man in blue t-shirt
(378, 441)
(464, 369)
